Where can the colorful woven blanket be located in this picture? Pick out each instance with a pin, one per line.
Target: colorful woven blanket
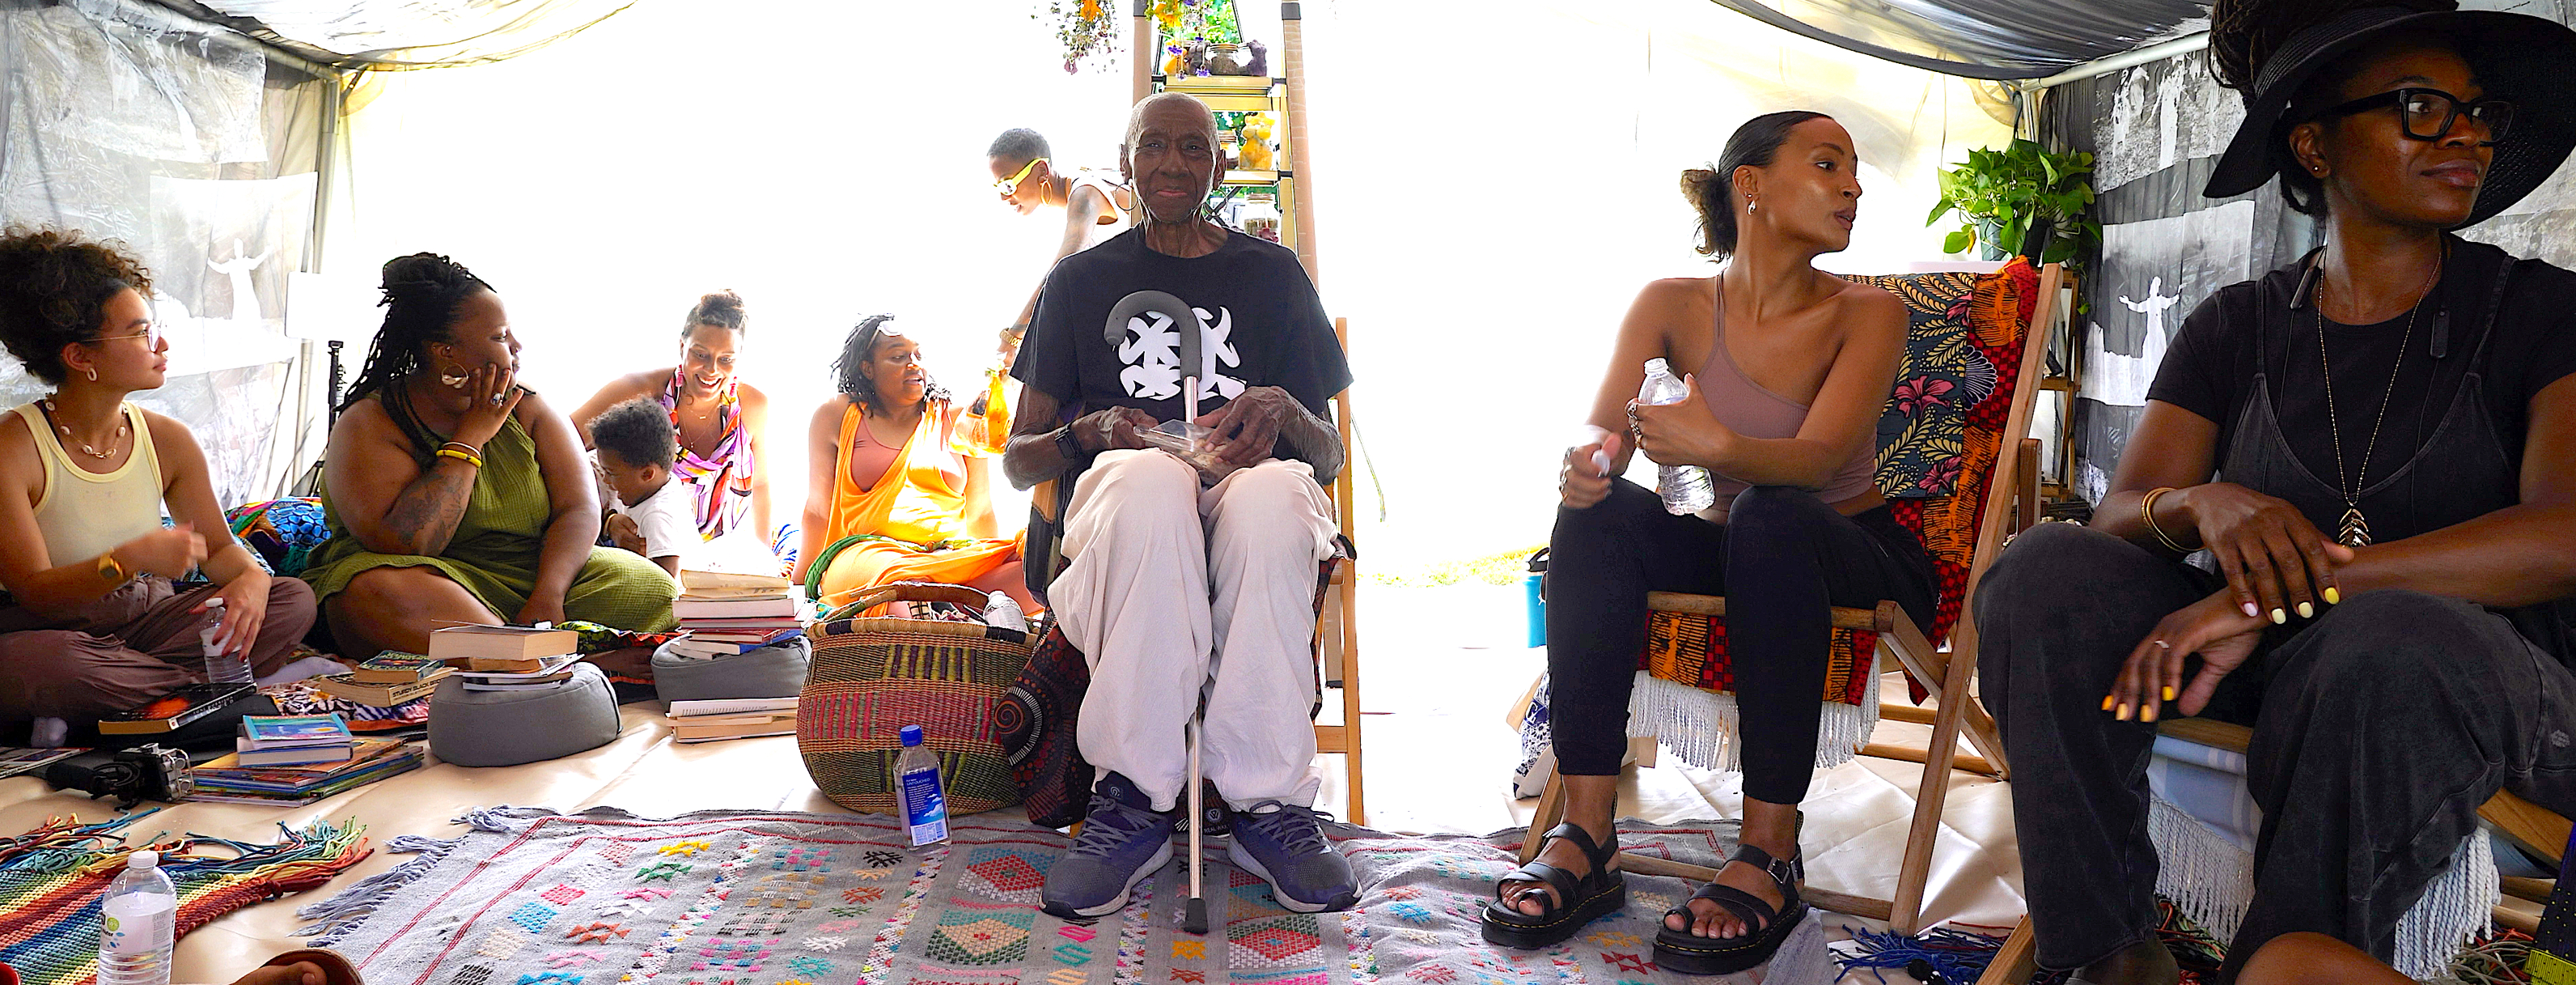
(51, 880)
(530, 897)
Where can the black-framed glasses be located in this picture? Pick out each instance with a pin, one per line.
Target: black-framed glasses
(2428, 114)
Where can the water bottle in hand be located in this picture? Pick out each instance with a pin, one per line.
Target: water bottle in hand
(221, 667)
(925, 802)
(139, 922)
(1685, 487)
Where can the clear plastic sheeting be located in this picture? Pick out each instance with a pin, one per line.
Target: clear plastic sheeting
(399, 34)
(195, 149)
(1981, 39)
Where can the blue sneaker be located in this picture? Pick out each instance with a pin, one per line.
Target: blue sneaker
(1124, 841)
(1285, 844)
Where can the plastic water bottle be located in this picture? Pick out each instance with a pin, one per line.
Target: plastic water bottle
(221, 668)
(1000, 610)
(140, 913)
(925, 801)
(1685, 487)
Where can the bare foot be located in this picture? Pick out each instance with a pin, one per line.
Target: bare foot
(1559, 852)
(1707, 919)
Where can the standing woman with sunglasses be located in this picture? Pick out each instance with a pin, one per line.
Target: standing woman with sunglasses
(2375, 447)
(1095, 203)
(91, 624)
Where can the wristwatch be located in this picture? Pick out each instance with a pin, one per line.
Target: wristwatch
(110, 571)
(1070, 447)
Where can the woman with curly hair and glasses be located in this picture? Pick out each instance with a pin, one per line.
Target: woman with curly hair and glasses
(91, 624)
(453, 495)
(2375, 446)
(901, 488)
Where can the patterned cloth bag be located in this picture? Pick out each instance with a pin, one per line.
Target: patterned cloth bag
(872, 677)
(1036, 719)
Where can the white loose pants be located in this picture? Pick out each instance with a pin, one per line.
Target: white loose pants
(1171, 586)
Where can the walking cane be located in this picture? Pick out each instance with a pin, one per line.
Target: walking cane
(1193, 352)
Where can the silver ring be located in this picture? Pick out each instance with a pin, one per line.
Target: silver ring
(497, 398)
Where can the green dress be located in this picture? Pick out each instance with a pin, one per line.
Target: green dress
(494, 550)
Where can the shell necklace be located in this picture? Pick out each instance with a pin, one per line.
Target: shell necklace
(55, 416)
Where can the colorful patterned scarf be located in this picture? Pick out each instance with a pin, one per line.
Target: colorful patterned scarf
(52, 879)
(722, 481)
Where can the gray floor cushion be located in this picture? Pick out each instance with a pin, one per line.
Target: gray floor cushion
(776, 671)
(507, 728)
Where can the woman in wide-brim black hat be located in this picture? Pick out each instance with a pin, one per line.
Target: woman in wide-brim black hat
(2376, 446)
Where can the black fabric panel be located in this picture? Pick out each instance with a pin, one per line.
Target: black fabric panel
(1979, 39)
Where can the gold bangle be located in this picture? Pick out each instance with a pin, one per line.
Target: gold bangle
(463, 447)
(2147, 512)
(460, 456)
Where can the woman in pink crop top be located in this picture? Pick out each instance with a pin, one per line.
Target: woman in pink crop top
(1792, 368)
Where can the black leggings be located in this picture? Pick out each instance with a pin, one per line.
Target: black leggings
(1782, 559)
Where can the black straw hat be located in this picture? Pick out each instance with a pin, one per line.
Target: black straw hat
(2526, 59)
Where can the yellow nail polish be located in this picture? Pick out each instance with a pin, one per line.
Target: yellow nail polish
(2307, 610)
(2124, 713)
(2333, 597)
(2168, 692)
(2146, 713)
(2279, 617)
(2106, 702)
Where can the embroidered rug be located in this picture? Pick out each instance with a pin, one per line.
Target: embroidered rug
(51, 880)
(531, 897)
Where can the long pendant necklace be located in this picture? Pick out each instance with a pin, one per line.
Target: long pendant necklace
(55, 416)
(2354, 529)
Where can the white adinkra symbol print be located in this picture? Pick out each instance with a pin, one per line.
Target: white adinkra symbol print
(1152, 352)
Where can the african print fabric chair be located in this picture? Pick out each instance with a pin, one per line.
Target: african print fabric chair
(1952, 462)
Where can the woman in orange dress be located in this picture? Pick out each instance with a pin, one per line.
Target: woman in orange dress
(900, 488)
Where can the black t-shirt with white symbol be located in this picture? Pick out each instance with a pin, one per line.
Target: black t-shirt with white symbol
(1263, 325)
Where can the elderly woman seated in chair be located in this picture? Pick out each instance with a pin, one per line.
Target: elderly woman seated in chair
(1791, 369)
(901, 486)
(2376, 445)
(453, 495)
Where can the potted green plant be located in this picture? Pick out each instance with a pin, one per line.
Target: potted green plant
(2021, 199)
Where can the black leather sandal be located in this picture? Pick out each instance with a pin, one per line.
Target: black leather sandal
(1682, 952)
(1579, 899)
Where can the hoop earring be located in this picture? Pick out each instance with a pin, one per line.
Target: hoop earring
(1751, 206)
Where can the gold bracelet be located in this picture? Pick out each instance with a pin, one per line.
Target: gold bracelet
(463, 447)
(2147, 512)
(460, 456)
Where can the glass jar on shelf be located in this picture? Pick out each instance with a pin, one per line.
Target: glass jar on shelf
(1259, 215)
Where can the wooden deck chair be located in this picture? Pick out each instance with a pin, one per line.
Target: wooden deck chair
(1336, 639)
(1960, 322)
(2530, 827)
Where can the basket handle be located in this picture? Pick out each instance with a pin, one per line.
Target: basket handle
(917, 591)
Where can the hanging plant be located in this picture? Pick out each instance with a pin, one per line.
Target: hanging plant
(1084, 27)
(2008, 195)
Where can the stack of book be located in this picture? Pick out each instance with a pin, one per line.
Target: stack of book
(293, 740)
(722, 615)
(739, 718)
(390, 680)
(172, 711)
(546, 672)
(506, 658)
(228, 780)
(488, 650)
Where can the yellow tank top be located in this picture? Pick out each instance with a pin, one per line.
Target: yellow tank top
(85, 514)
